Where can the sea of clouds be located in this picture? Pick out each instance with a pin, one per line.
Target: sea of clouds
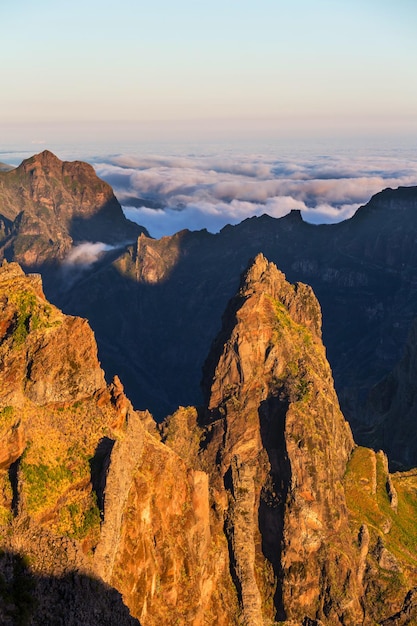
(168, 193)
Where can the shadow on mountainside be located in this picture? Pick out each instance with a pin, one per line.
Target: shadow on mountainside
(272, 417)
(28, 598)
(102, 226)
(156, 335)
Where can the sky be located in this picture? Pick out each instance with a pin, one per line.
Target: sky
(122, 71)
(207, 113)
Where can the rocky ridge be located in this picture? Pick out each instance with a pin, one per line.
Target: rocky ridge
(281, 445)
(81, 499)
(174, 291)
(255, 509)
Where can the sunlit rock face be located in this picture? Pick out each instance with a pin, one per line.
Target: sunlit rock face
(252, 509)
(90, 498)
(280, 445)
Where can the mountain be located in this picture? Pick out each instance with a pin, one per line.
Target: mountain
(254, 508)
(91, 500)
(46, 205)
(272, 412)
(156, 305)
(172, 292)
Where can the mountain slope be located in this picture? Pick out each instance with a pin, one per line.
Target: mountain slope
(246, 511)
(172, 292)
(47, 204)
(89, 496)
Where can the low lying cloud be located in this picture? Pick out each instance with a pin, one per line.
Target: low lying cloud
(86, 253)
(209, 192)
(80, 258)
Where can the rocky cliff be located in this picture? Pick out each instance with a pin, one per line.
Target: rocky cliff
(173, 292)
(91, 501)
(281, 446)
(47, 204)
(253, 509)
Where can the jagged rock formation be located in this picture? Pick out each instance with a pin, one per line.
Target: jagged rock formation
(276, 449)
(151, 261)
(239, 513)
(166, 297)
(173, 292)
(280, 445)
(47, 204)
(89, 496)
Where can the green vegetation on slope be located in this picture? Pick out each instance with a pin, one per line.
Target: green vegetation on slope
(392, 555)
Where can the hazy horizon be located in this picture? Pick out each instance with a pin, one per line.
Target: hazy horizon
(201, 72)
(312, 86)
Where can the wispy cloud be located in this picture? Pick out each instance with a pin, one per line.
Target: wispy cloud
(79, 259)
(209, 192)
(86, 253)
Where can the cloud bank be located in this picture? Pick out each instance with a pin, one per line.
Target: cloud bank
(168, 193)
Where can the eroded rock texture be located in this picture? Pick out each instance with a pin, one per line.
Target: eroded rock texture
(280, 445)
(252, 510)
(89, 496)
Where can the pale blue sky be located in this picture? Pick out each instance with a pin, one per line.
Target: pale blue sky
(299, 66)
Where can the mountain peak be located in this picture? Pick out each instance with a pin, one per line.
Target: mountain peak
(259, 266)
(391, 201)
(46, 156)
(273, 415)
(263, 276)
(52, 204)
(47, 161)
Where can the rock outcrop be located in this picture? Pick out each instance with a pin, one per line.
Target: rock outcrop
(89, 496)
(386, 536)
(254, 509)
(280, 445)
